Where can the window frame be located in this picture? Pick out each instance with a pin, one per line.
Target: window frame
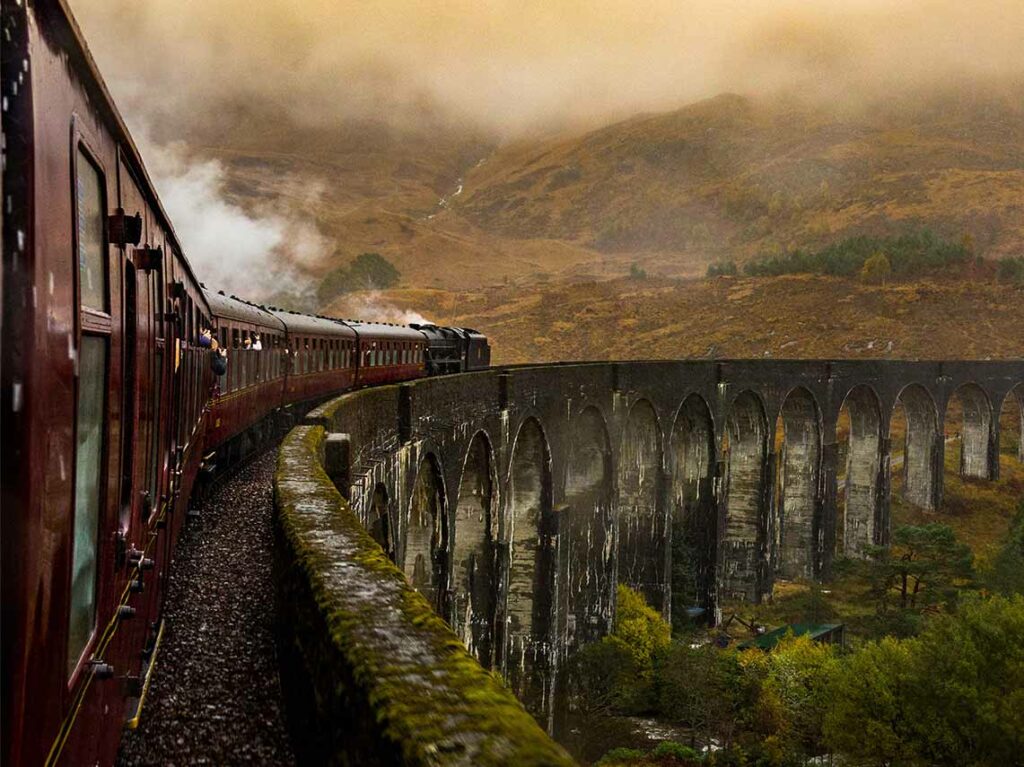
(88, 321)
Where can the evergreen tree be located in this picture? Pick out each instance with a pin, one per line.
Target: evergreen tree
(876, 269)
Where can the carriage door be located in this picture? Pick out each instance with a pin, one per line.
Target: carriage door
(178, 328)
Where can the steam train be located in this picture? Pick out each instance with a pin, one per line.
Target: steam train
(111, 406)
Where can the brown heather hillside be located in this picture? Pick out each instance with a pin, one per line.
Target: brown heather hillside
(731, 177)
(798, 316)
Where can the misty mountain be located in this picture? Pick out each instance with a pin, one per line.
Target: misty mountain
(733, 177)
(727, 178)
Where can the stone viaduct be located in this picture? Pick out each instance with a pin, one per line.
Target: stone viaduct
(515, 500)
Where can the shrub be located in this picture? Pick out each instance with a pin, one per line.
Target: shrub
(620, 756)
(722, 269)
(640, 627)
(669, 748)
(1011, 270)
(876, 269)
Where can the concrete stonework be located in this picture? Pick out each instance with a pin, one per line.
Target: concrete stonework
(517, 498)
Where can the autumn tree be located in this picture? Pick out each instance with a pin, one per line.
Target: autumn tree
(952, 696)
(870, 718)
(617, 672)
(794, 691)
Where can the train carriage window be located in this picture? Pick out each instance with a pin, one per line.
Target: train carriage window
(90, 448)
(234, 362)
(156, 451)
(91, 402)
(92, 246)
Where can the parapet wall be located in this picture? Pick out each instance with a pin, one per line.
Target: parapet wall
(514, 500)
(374, 675)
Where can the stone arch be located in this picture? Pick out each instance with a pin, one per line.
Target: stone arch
(426, 541)
(381, 529)
(641, 518)
(744, 555)
(585, 532)
(530, 564)
(857, 524)
(799, 468)
(920, 464)
(969, 430)
(473, 552)
(694, 515)
(1011, 419)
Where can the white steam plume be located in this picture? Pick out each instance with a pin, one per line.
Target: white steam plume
(371, 306)
(253, 253)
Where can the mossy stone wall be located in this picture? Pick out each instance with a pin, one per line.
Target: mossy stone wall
(373, 675)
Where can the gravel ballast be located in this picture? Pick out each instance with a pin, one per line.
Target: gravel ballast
(215, 696)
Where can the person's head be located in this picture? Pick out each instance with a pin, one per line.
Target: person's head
(213, 344)
(246, 342)
(255, 336)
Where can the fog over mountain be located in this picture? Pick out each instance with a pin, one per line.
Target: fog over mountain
(515, 66)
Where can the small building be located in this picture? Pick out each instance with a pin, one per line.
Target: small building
(826, 633)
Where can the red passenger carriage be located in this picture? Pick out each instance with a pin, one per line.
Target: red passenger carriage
(109, 402)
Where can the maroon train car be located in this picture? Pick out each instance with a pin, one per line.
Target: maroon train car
(322, 357)
(388, 353)
(254, 385)
(110, 405)
(103, 393)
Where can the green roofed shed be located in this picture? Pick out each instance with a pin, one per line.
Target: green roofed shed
(826, 633)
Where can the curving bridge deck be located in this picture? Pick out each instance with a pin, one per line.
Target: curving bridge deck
(514, 500)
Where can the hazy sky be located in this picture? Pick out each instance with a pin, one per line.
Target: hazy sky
(510, 66)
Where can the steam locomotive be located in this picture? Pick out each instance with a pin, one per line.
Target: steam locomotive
(111, 403)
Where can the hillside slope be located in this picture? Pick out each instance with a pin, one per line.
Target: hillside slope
(795, 316)
(732, 177)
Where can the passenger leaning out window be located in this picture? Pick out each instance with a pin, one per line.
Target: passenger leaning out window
(219, 361)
